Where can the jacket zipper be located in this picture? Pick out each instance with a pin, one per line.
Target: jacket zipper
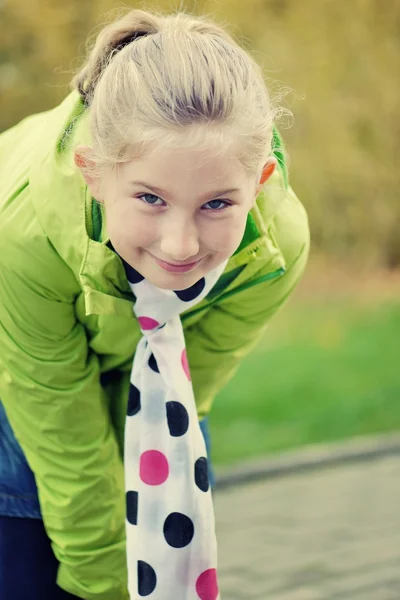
(241, 288)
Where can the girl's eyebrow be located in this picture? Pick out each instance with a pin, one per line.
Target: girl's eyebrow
(158, 190)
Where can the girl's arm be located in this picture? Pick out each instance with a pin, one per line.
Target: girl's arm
(219, 341)
(50, 388)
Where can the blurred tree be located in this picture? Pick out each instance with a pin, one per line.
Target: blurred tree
(340, 58)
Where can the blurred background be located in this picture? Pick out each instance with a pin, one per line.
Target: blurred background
(328, 366)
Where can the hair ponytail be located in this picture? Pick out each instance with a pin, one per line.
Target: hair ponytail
(111, 39)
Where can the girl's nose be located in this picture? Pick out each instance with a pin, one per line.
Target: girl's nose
(180, 243)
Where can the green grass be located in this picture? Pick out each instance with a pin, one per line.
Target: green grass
(323, 372)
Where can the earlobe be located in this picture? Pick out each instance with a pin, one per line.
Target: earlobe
(87, 167)
(268, 169)
(82, 156)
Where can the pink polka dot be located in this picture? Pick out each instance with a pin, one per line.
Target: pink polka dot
(154, 469)
(185, 364)
(207, 586)
(147, 323)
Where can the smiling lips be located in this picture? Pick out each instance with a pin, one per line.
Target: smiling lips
(173, 268)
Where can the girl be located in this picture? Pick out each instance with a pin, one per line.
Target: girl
(154, 197)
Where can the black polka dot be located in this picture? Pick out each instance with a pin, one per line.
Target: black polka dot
(147, 578)
(192, 292)
(153, 364)
(133, 401)
(132, 275)
(178, 530)
(201, 474)
(132, 507)
(178, 418)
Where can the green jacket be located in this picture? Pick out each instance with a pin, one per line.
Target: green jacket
(68, 334)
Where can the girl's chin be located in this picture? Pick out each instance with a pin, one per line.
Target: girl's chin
(172, 281)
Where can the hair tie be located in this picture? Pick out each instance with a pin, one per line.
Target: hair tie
(131, 37)
(84, 86)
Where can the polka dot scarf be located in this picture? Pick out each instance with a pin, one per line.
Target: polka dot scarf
(171, 543)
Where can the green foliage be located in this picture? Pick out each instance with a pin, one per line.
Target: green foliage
(341, 59)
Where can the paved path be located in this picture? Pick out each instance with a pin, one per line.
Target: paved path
(329, 534)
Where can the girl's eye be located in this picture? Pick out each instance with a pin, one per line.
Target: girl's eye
(142, 196)
(217, 205)
(213, 204)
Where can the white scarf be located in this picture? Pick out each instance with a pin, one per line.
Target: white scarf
(171, 542)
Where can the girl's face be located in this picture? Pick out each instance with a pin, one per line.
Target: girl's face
(174, 215)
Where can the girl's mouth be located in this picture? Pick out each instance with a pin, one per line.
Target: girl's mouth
(176, 268)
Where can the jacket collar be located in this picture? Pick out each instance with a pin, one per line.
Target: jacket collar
(64, 208)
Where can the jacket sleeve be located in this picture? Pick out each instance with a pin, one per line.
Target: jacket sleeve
(218, 342)
(50, 388)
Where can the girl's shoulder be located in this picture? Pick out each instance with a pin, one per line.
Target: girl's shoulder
(42, 197)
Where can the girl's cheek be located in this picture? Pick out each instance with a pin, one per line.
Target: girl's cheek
(128, 224)
(220, 241)
(229, 236)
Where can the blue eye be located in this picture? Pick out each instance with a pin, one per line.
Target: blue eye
(214, 205)
(219, 208)
(142, 196)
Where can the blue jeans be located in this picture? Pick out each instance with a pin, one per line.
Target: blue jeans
(207, 438)
(28, 567)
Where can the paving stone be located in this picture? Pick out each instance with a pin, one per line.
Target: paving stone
(327, 534)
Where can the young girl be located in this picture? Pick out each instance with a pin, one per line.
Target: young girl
(154, 197)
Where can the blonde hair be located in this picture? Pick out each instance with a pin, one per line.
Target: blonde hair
(176, 80)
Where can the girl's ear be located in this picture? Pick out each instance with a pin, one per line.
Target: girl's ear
(87, 167)
(267, 171)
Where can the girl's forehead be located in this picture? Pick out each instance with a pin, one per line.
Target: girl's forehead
(172, 162)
